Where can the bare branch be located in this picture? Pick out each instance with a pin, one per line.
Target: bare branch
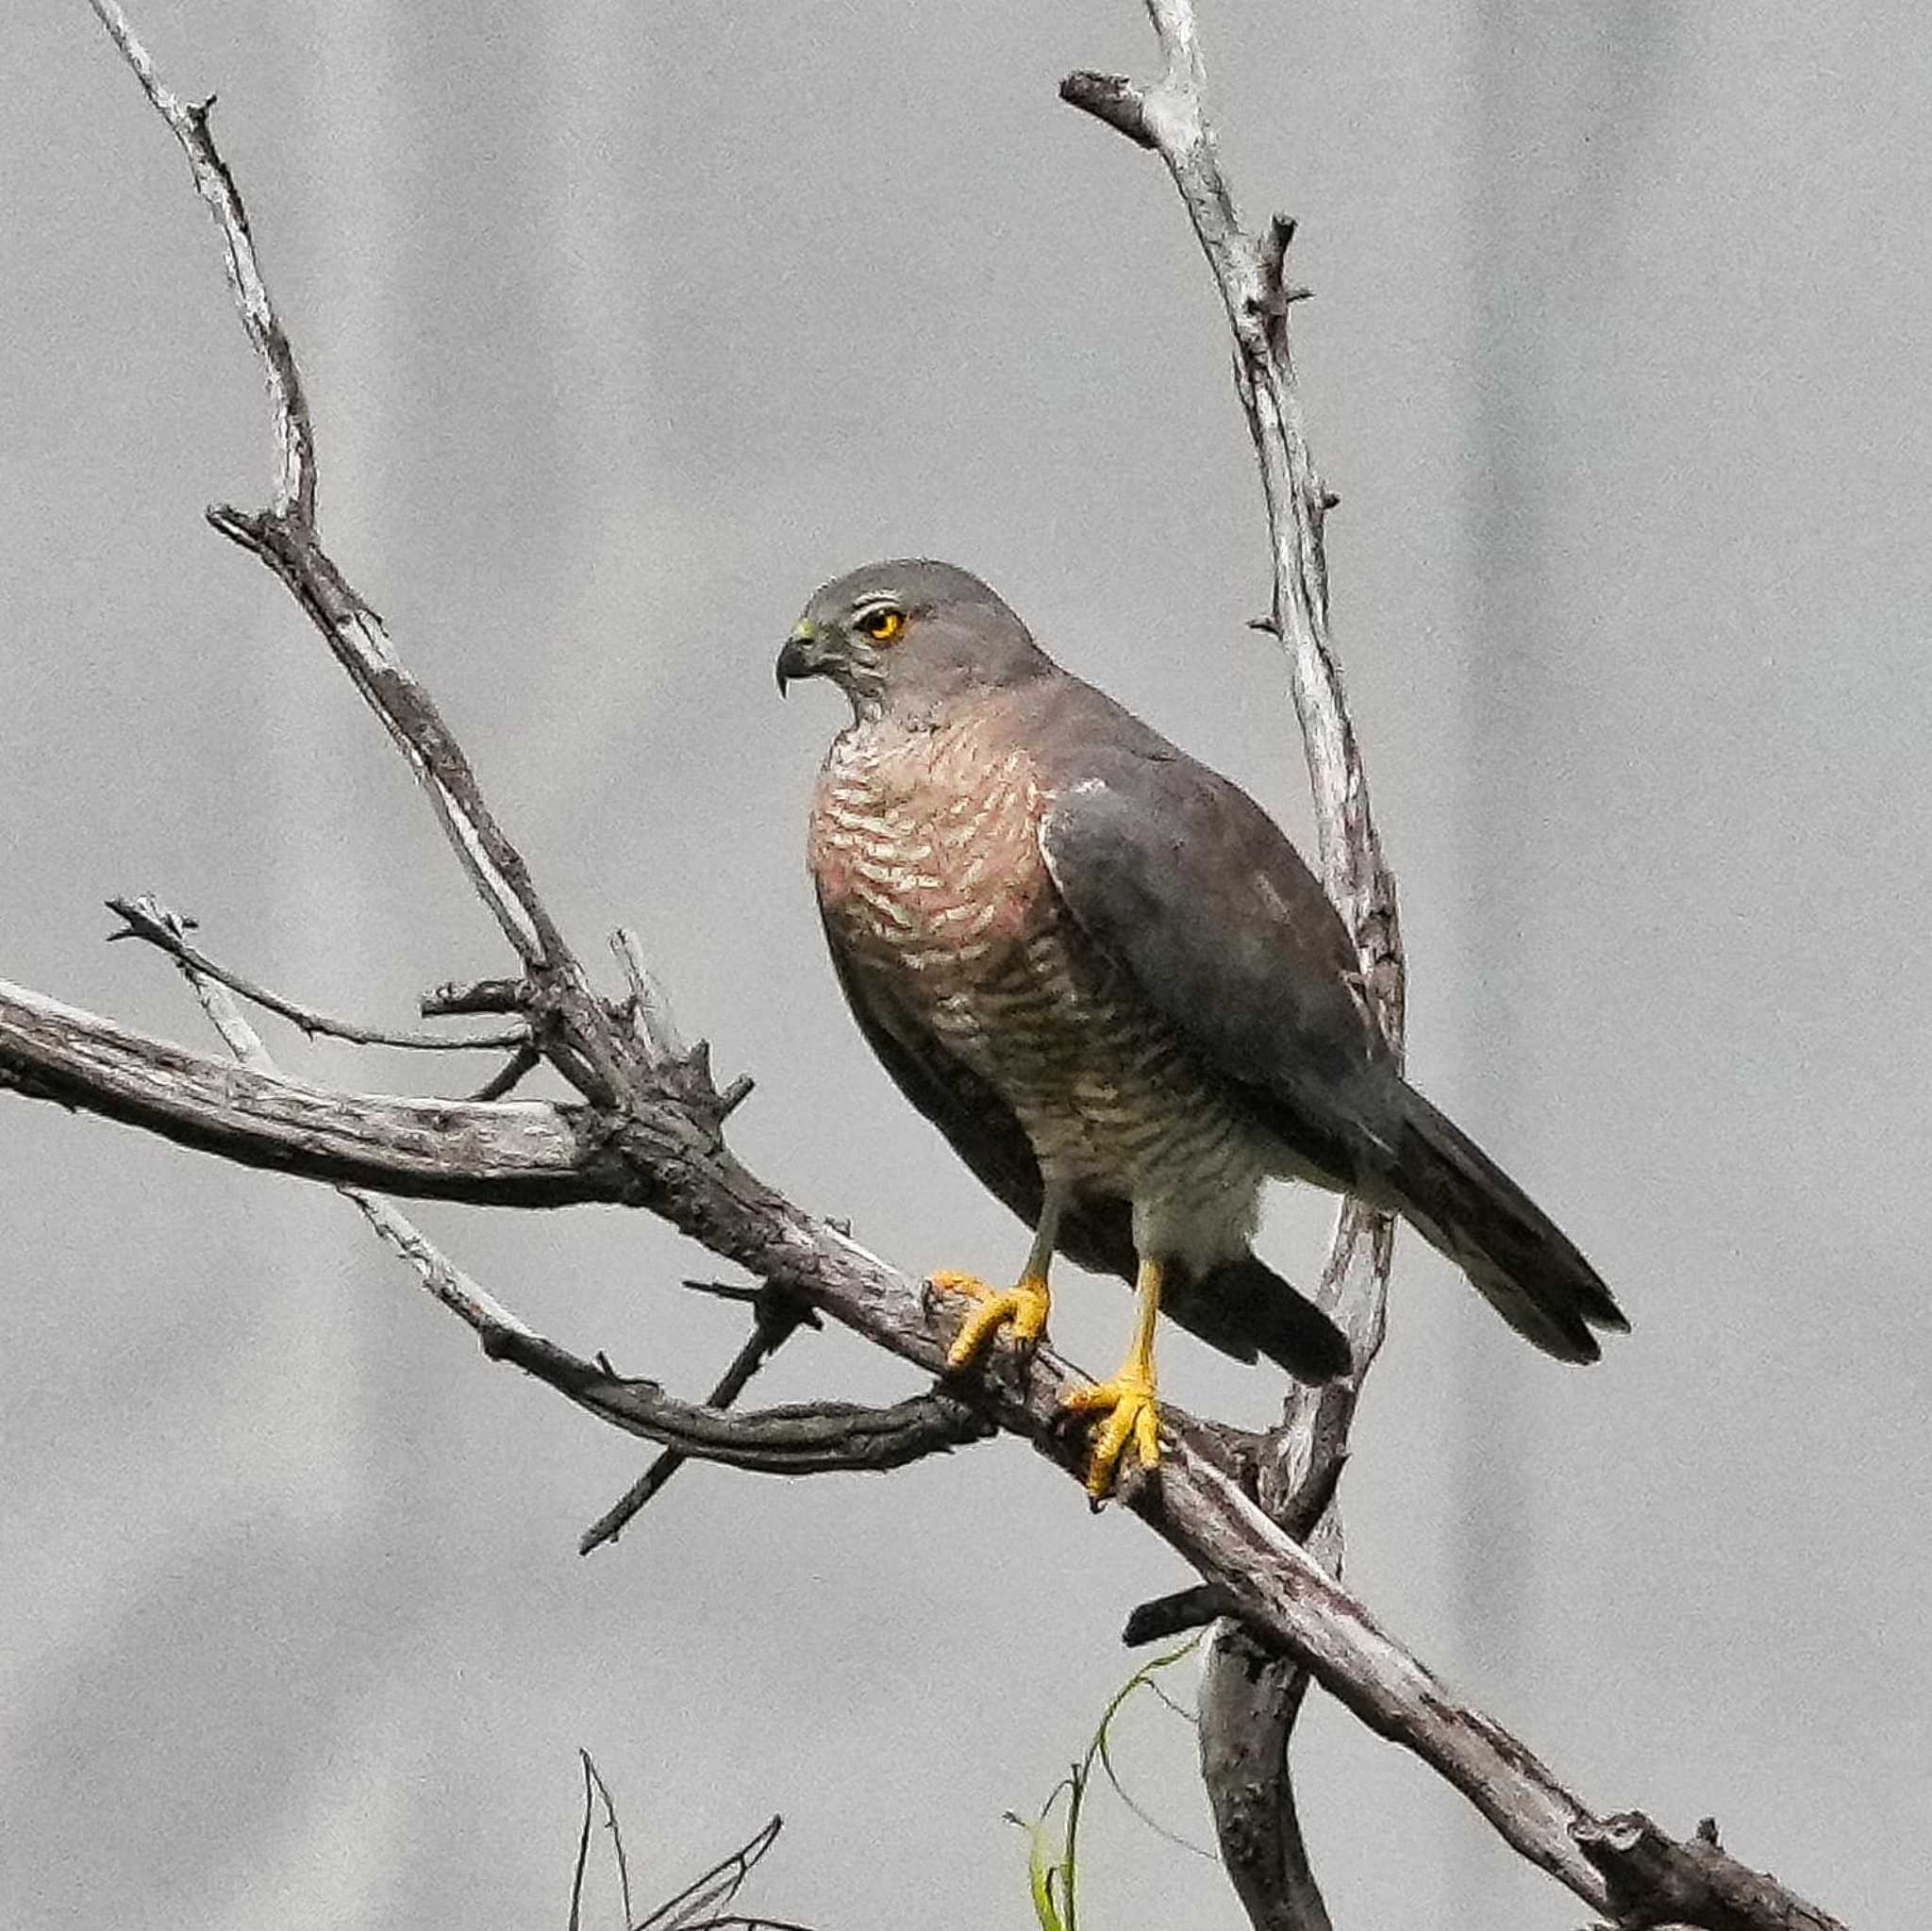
(480, 995)
(283, 535)
(1175, 1613)
(1652, 1876)
(517, 1154)
(800, 1439)
(294, 493)
(1248, 1706)
(650, 1004)
(1112, 98)
(1196, 1503)
(777, 1319)
(145, 921)
(286, 543)
(812, 1438)
(510, 1074)
(444, 1280)
(1247, 1774)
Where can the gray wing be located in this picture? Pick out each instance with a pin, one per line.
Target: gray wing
(1187, 883)
(1184, 880)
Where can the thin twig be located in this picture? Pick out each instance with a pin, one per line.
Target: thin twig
(777, 1319)
(583, 1856)
(294, 489)
(142, 921)
(595, 1776)
(509, 1076)
(443, 1279)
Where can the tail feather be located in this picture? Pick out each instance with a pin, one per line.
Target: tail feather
(1514, 1254)
(1244, 1305)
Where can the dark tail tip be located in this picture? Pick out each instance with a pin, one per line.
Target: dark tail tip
(1514, 1254)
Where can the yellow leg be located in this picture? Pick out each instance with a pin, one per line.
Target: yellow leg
(1021, 1310)
(1127, 1401)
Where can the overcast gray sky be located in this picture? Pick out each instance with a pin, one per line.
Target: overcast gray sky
(625, 326)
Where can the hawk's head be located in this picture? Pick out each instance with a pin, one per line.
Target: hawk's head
(902, 638)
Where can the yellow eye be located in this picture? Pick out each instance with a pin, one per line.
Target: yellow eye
(883, 624)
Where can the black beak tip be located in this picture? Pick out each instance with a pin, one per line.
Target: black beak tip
(797, 659)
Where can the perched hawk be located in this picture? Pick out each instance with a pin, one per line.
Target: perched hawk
(1112, 984)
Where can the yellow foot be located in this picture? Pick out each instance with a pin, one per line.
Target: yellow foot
(1132, 1416)
(1021, 1310)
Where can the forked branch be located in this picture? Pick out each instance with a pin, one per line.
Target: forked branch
(801, 1438)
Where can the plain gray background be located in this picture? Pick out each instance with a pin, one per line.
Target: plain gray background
(626, 325)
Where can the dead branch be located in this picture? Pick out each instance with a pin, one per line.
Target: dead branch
(648, 1130)
(1654, 1877)
(800, 1439)
(1249, 1702)
(805, 1439)
(1197, 1504)
(1250, 1698)
(503, 1153)
(776, 1318)
(141, 920)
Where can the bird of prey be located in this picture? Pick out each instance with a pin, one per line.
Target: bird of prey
(1114, 985)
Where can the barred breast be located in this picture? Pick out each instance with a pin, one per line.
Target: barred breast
(924, 846)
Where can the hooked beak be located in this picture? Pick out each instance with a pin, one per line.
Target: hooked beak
(803, 655)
